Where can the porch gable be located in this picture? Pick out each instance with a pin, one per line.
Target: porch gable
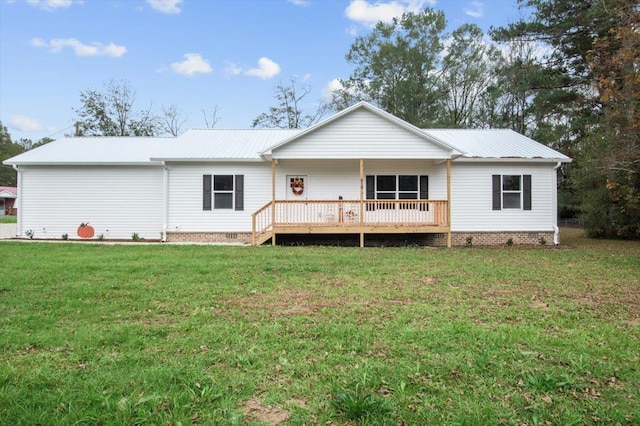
(362, 131)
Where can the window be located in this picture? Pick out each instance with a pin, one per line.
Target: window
(397, 187)
(223, 192)
(511, 192)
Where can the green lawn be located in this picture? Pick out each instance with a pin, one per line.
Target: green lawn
(167, 334)
(8, 219)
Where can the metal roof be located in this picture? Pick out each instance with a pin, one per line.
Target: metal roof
(251, 144)
(496, 144)
(225, 144)
(96, 151)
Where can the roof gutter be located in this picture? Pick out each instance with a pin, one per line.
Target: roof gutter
(556, 229)
(19, 207)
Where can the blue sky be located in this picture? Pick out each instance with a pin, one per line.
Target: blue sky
(195, 54)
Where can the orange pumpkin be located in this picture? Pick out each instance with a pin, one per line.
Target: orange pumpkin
(85, 230)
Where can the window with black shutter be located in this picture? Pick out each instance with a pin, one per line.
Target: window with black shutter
(223, 192)
(511, 192)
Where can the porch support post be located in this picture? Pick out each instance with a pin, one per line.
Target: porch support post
(361, 194)
(361, 200)
(449, 201)
(273, 201)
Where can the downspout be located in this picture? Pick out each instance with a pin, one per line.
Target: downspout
(165, 199)
(556, 229)
(19, 207)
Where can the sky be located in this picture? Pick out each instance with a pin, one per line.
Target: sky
(194, 54)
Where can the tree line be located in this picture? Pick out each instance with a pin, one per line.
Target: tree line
(566, 75)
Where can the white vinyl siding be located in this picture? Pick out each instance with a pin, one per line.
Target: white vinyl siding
(116, 201)
(361, 134)
(471, 193)
(328, 180)
(185, 197)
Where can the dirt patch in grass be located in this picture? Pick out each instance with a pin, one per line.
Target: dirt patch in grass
(285, 303)
(255, 410)
(292, 302)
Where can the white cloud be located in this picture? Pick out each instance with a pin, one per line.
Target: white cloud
(231, 69)
(38, 42)
(368, 14)
(303, 3)
(166, 6)
(55, 45)
(476, 9)
(192, 64)
(52, 4)
(23, 123)
(333, 86)
(266, 69)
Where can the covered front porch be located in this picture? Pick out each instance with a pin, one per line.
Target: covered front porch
(362, 171)
(406, 213)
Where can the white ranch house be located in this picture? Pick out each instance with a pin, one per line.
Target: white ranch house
(362, 172)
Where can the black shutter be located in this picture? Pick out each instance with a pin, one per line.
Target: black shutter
(371, 192)
(497, 192)
(526, 192)
(424, 187)
(424, 191)
(371, 188)
(206, 192)
(239, 190)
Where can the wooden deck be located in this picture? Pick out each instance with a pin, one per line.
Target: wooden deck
(349, 217)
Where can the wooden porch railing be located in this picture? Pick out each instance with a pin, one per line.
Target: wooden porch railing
(347, 213)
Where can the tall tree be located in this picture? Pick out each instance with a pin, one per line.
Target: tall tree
(28, 144)
(397, 66)
(211, 118)
(289, 113)
(593, 74)
(468, 71)
(111, 113)
(8, 149)
(614, 60)
(172, 120)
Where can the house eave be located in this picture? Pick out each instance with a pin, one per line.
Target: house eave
(511, 160)
(88, 164)
(209, 160)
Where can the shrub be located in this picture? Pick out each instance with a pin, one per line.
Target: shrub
(65, 236)
(136, 237)
(29, 233)
(510, 242)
